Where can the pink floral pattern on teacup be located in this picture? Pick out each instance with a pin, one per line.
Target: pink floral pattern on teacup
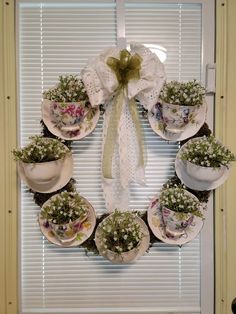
(68, 114)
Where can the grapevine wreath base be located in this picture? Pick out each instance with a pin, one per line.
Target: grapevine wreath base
(89, 244)
(118, 84)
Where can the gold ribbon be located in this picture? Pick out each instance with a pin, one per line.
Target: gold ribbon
(126, 68)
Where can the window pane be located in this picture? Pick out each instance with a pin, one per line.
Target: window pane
(57, 37)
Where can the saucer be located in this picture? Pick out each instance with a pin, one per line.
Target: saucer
(190, 130)
(87, 227)
(192, 183)
(54, 184)
(155, 222)
(143, 247)
(71, 133)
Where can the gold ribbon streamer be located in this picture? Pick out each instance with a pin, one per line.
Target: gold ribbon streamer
(111, 135)
(126, 68)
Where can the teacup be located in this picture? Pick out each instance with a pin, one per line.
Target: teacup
(123, 258)
(207, 174)
(68, 232)
(65, 232)
(177, 117)
(175, 225)
(42, 172)
(68, 116)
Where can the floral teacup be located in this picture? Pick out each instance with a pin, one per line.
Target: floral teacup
(64, 233)
(68, 116)
(68, 232)
(175, 224)
(176, 117)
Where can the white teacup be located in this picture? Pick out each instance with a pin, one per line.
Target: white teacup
(201, 173)
(42, 172)
(124, 257)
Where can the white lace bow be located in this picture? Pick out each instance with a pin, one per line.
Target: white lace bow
(101, 84)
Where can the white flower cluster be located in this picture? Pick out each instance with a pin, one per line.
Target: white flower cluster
(177, 199)
(186, 94)
(120, 232)
(69, 89)
(207, 152)
(64, 208)
(41, 149)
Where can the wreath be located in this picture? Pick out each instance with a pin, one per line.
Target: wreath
(114, 84)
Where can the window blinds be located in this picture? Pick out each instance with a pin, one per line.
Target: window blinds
(176, 27)
(59, 37)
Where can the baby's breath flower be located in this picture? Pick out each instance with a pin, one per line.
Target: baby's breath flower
(184, 203)
(69, 89)
(41, 149)
(186, 94)
(65, 207)
(121, 232)
(207, 152)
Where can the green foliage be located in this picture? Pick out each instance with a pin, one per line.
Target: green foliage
(207, 152)
(185, 94)
(203, 196)
(41, 149)
(69, 89)
(64, 208)
(177, 199)
(120, 232)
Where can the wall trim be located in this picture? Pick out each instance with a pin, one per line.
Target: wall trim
(225, 112)
(8, 198)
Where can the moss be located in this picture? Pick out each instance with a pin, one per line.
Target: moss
(203, 196)
(89, 245)
(204, 130)
(46, 133)
(41, 198)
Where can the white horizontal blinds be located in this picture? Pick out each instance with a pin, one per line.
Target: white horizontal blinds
(75, 283)
(30, 75)
(160, 156)
(73, 34)
(176, 27)
(58, 37)
(30, 90)
(55, 39)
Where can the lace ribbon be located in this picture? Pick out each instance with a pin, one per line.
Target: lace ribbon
(114, 79)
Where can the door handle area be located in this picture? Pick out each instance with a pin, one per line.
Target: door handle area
(210, 79)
